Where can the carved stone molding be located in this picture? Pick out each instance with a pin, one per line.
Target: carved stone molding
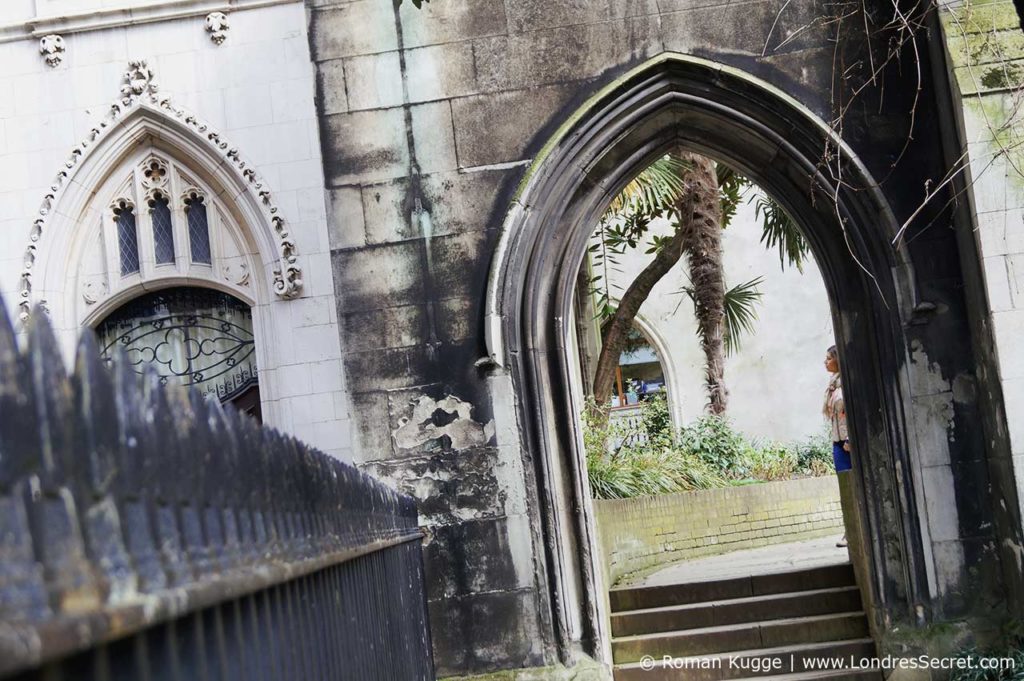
(52, 48)
(120, 205)
(217, 26)
(139, 89)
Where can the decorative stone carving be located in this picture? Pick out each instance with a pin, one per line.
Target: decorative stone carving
(139, 89)
(237, 274)
(137, 80)
(119, 205)
(93, 290)
(155, 175)
(52, 48)
(192, 195)
(217, 26)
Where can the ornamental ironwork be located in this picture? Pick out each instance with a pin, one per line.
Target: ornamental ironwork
(189, 336)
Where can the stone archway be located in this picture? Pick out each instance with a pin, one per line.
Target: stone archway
(726, 114)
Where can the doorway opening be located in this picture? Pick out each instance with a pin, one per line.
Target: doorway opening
(680, 102)
(717, 506)
(193, 337)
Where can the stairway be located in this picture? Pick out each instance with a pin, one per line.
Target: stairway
(735, 625)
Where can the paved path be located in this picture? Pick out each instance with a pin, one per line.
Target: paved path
(765, 560)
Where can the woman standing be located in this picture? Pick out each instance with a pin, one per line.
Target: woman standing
(834, 410)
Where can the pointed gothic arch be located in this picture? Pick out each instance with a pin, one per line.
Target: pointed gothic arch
(678, 100)
(143, 118)
(253, 257)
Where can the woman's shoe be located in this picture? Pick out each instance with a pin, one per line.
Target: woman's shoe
(842, 543)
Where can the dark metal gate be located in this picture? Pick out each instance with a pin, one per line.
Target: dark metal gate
(148, 534)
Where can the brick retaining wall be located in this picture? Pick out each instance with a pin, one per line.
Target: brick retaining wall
(639, 535)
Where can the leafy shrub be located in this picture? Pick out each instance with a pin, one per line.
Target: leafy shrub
(644, 456)
(815, 454)
(715, 442)
(772, 461)
(645, 471)
(648, 463)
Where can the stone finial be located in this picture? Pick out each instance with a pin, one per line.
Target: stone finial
(52, 48)
(217, 26)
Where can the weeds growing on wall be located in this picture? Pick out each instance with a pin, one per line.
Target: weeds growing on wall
(644, 455)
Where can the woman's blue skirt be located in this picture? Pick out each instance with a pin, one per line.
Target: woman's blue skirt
(841, 457)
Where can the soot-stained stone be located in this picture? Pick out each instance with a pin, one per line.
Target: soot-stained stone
(484, 632)
(469, 557)
(486, 134)
(378, 277)
(451, 22)
(450, 486)
(369, 411)
(364, 146)
(393, 327)
(797, 26)
(460, 262)
(564, 54)
(432, 419)
(359, 27)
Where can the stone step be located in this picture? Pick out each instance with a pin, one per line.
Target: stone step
(641, 597)
(740, 664)
(746, 636)
(736, 611)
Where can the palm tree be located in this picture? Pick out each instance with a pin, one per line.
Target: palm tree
(700, 198)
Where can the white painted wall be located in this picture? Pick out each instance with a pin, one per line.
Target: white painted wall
(257, 90)
(777, 380)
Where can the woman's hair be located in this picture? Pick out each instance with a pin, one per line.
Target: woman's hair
(832, 352)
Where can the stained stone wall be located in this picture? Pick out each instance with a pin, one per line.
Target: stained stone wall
(987, 73)
(429, 120)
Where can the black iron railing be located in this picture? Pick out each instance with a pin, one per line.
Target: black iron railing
(147, 533)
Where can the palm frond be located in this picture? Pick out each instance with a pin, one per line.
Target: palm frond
(740, 312)
(654, 191)
(778, 230)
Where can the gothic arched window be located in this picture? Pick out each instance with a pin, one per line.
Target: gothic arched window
(198, 227)
(163, 230)
(183, 227)
(127, 236)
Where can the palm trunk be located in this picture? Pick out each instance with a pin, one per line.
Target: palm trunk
(698, 233)
(704, 258)
(616, 329)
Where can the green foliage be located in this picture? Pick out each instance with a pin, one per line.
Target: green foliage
(631, 468)
(779, 231)
(714, 441)
(1009, 646)
(815, 454)
(778, 461)
(645, 456)
(1014, 673)
(731, 187)
(654, 191)
(740, 311)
